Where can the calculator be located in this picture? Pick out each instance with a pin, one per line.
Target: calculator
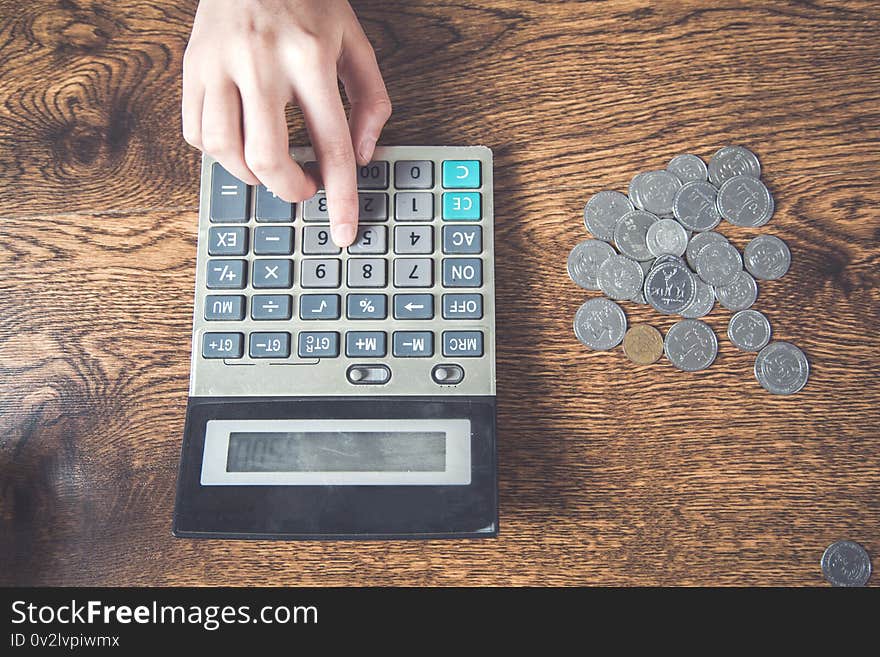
(345, 393)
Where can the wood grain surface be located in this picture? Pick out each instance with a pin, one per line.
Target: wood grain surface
(610, 473)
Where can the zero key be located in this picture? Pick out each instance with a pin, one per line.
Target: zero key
(229, 196)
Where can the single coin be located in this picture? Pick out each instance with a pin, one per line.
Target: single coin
(654, 191)
(666, 237)
(782, 368)
(643, 344)
(846, 563)
(695, 206)
(668, 258)
(697, 243)
(740, 294)
(767, 257)
(584, 261)
(719, 263)
(745, 201)
(670, 288)
(603, 211)
(631, 232)
(691, 345)
(749, 330)
(688, 168)
(704, 301)
(620, 277)
(600, 324)
(733, 161)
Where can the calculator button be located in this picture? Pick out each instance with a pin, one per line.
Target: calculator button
(373, 176)
(273, 240)
(413, 344)
(315, 208)
(365, 344)
(414, 206)
(413, 239)
(462, 239)
(370, 239)
(224, 307)
(368, 374)
(269, 345)
(270, 306)
(413, 306)
(272, 208)
(462, 206)
(463, 343)
(227, 240)
(229, 196)
(413, 272)
(319, 306)
(222, 345)
(272, 274)
(366, 306)
(373, 206)
(226, 274)
(367, 272)
(318, 344)
(461, 174)
(317, 241)
(447, 374)
(414, 174)
(462, 306)
(462, 272)
(320, 272)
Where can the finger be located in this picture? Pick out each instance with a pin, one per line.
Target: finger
(221, 129)
(365, 88)
(192, 101)
(266, 148)
(321, 104)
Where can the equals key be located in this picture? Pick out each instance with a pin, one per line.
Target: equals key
(229, 196)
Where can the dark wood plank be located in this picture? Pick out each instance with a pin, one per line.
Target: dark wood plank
(617, 474)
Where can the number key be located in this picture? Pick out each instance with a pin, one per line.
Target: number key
(315, 208)
(320, 272)
(373, 207)
(367, 272)
(413, 272)
(414, 206)
(413, 239)
(370, 239)
(373, 176)
(414, 174)
(317, 241)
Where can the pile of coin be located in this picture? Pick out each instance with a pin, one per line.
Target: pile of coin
(666, 254)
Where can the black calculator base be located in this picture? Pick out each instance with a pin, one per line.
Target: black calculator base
(338, 512)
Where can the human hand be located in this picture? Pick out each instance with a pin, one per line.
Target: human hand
(247, 59)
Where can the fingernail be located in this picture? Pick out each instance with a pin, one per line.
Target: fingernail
(366, 149)
(343, 234)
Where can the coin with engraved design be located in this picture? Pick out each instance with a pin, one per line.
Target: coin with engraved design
(666, 237)
(620, 277)
(584, 261)
(767, 257)
(719, 263)
(749, 330)
(745, 201)
(733, 161)
(697, 243)
(846, 563)
(654, 191)
(782, 368)
(695, 206)
(643, 344)
(704, 301)
(738, 295)
(600, 324)
(670, 288)
(691, 345)
(688, 168)
(631, 232)
(603, 211)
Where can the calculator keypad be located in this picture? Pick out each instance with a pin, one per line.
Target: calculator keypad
(411, 288)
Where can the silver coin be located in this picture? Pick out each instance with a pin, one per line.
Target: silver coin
(584, 261)
(691, 345)
(704, 301)
(631, 233)
(719, 263)
(740, 294)
(603, 211)
(745, 201)
(654, 191)
(666, 237)
(600, 324)
(697, 243)
(782, 368)
(733, 161)
(846, 563)
(620, 278)
(749, 330)
(695, 206)
(688, 168)
(670, 288)
(767, 257)
(668, 258)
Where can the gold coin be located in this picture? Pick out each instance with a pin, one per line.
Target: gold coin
(643, 344)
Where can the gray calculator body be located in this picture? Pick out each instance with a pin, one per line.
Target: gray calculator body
(345, 393)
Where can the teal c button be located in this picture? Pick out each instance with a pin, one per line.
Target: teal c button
(462, 206)
(461, 174)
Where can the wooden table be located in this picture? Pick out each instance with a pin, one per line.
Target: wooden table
(610, 473)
